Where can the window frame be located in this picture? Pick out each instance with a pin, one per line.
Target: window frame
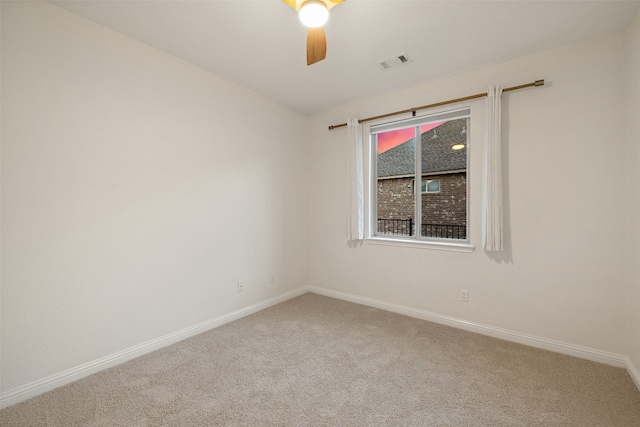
(427, 181)
(371, 236)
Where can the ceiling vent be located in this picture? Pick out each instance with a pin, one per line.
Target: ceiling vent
(394, 61)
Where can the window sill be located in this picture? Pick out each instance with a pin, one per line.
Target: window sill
(425, 244)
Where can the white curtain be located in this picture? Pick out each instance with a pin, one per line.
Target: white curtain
(355, 221)
(492, 183)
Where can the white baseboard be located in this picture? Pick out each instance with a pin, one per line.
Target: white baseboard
(66, 377)
(633, 371)
(505, 334)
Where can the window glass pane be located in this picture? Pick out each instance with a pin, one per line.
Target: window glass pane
(395, 163)
(444, 173)
(430, 202)
(430, 185)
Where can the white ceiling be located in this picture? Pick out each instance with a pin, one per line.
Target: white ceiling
(261, 44)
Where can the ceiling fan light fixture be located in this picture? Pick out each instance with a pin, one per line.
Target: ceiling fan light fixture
(313, 14)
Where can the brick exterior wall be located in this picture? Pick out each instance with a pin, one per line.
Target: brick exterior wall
(395, 198)
(449, 206)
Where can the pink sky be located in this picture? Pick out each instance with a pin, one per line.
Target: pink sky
(388, 140)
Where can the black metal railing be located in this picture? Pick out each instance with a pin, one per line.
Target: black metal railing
(444, 231)
(405, 227)
(395, 227)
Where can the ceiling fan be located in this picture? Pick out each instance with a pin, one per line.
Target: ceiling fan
(314, 14)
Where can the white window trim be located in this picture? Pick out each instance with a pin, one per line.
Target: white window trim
(463, 246)
(449, 245)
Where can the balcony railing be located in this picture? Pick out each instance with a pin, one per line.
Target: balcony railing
(406, 227)
(395, 227)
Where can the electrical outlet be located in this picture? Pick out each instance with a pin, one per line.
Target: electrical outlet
(240, 286)
(464, 295)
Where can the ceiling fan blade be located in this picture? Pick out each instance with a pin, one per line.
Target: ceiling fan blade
(316, 45)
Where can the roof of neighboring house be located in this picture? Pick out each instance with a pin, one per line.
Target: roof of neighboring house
(437, 155)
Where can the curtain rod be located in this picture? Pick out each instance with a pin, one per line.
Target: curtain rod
(437, 104)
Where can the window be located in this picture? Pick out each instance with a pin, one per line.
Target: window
(439, 162)
(430, 185)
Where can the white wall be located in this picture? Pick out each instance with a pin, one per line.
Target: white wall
(633, 167)
(136, 190)
(562, 275)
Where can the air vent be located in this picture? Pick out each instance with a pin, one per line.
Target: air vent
(394, 61)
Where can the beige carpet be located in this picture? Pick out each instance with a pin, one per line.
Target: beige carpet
(317, 361)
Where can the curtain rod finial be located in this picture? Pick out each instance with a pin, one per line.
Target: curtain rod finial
(538, 83)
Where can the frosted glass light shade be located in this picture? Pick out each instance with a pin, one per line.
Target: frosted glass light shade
(313, 14)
